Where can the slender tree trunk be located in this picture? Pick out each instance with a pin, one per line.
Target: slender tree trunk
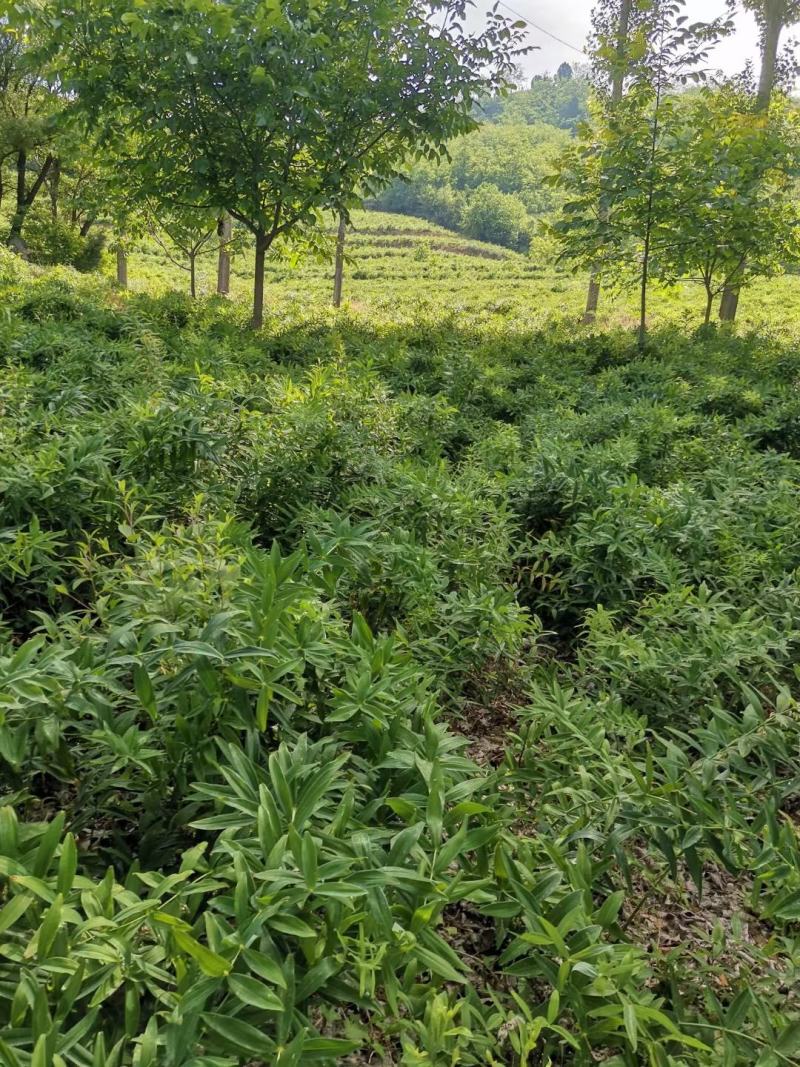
(18, 218)
(338, 273)
(55, 182)
(709, 305)
(617, 85)
(86, 225)
(648, 230)
(592, 299)
(193, 274)
(122, 268)
(642, 336)
(774, 14)
(26, 199)
(262, 245)
(22, 167)
(224, 232)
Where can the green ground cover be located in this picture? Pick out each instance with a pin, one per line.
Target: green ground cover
(401, 267)
(414, 684)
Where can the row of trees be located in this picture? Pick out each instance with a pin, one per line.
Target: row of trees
(560, 100)
(274, 113)
(270, 112)
(672, 184)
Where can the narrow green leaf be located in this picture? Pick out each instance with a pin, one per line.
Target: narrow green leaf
(256, 994)
(264, 966)
(209, 962)
(14, 910)
(290, 924)
(631, 1025)
(240, 1034)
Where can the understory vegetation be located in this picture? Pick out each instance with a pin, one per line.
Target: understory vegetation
(397, 685)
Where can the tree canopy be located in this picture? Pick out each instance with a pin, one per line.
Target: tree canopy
(276, 111)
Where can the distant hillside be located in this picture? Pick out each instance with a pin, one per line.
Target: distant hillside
(561, 100)
(494, 187)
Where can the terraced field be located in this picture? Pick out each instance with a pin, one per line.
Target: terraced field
(402, 265)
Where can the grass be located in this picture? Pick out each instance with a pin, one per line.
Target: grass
(402, 265)
(414, 684)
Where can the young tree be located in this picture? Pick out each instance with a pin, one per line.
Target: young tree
(612, 65)
(773, 17)
(626, 161)
(276, 111)
(732, 192)
(187, 233)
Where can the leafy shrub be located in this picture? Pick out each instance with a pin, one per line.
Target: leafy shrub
(392, 687)
(498, 217)
(51, 241)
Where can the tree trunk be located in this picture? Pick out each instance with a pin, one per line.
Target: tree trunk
(592, 299)
(18, 218)
(617, 85)
(774, 15)
(193, 274)
(642, 337)
(338, 273)
(86, 225)
(729, 304)
(224, 232)
(122, 268)
(262, 245)
(22, 167)
(709, 305)
(25, 199)
(648, 230)
(55, 181)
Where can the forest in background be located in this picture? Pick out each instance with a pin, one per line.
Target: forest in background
(495, 187)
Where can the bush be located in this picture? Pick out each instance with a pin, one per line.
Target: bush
(497, 217)
(51, 242)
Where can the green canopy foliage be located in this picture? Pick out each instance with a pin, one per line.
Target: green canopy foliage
(275, 111)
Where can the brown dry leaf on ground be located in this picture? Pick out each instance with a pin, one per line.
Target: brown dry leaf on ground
(489, 727)
(472, 936)
(715, 931)
(791, 809)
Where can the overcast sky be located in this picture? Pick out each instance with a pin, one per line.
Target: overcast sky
(570, 20)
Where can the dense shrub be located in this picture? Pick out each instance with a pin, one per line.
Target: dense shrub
(393, 688)
(51, 241)
(492, 215)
